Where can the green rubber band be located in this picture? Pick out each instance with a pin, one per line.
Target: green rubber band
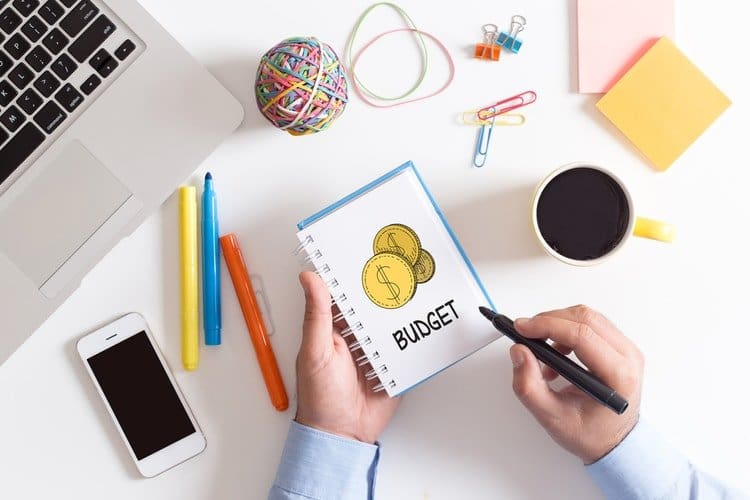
(410, 24)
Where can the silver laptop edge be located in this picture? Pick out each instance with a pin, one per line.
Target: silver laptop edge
(121, 158)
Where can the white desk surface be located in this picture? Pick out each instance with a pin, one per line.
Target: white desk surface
(463, 435)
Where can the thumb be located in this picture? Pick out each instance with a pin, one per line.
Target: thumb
(317, 329)
(531, 388)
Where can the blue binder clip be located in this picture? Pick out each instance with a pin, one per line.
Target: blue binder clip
(509, 40)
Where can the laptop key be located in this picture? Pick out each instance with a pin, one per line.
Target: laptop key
(7, 93)
(46, 84)
(29, 101)
(9, 20)
(55, 41)
(90, 84)
(79, 17)
(34, 29)
(51, 12)
(12, 118)
(38, 58)
(125, 49)
(69, 97)
(91, 38)
(5, 63)
(68, 3)
(21, 76)
(18, 148)
(107, 67)
(3, 135)
(17, 46)
(49, 117)
(103, 63)
(25, 7)
(64, 66)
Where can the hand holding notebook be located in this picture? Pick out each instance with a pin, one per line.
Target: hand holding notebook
(331, 391)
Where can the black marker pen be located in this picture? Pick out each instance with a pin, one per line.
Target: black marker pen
(567, 368)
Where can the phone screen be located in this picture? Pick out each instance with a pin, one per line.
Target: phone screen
(141, 395)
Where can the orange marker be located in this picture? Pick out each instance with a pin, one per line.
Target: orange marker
(230, 246)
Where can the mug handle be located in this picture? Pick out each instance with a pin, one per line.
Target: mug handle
(654, 230)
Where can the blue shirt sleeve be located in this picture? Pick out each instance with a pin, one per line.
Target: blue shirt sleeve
(644, 467)
(318, 465)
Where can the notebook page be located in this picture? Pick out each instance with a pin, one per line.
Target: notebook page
(439, 324)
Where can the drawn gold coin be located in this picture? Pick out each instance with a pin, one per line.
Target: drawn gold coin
(398, 239)
(424, 269)
(388, 280)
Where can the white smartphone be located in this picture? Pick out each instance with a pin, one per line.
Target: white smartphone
(140, 393)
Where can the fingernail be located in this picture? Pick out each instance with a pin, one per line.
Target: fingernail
(522, 321)
(516, 357)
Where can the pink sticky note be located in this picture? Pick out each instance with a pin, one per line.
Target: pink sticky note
(614, 34)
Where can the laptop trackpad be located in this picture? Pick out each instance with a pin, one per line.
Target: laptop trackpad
(59, 213)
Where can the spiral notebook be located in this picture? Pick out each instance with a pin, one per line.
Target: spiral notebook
(404, 286)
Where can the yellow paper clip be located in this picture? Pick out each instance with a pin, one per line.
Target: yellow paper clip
(508, 119)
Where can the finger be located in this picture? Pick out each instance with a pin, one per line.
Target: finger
(599, 323)
(548, 373)
(317, 329)
(590, 348)
(531, 388)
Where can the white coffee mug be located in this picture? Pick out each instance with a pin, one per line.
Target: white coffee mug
(636, 226)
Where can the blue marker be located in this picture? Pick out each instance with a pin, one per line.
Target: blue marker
(211, 273)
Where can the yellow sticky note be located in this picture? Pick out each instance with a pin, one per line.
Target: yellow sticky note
(663, 103)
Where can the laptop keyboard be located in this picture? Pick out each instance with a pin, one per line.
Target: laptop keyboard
(52, 61)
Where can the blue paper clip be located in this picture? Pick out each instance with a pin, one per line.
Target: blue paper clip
(483, 143)
(509, 39)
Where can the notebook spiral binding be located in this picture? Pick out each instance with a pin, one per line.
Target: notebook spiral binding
(361, 343)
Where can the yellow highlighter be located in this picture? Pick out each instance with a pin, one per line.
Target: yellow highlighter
(189, 276)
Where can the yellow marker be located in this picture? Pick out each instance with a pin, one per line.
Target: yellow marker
(189, 276)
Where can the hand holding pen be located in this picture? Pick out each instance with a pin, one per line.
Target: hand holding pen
(578, 423)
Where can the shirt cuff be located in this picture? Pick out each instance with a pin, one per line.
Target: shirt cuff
(317, 464)
(642, 466)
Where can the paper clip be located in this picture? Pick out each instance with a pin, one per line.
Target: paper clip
(509, 104)
(508, 119)
(483, 144)
(509, 39)
(488, 49)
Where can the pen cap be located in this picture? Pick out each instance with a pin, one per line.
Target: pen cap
(617, 403)
(187, 195)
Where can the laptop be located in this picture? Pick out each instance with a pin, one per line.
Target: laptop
(102, 115)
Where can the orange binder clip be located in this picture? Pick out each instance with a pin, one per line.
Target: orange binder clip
(488, 49)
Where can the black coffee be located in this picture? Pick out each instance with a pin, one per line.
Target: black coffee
(583, 213)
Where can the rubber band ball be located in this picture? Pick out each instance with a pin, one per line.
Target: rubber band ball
(301, 86)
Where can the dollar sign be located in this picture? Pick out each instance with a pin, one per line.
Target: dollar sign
(419, 267)
(393, 244)
(393, 288)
